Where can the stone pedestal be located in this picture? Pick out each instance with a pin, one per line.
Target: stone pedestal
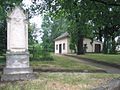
(17, 67)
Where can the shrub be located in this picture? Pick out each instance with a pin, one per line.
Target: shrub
(38, 53)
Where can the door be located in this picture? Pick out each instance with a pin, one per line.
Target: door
(60, 48)
(97, 48)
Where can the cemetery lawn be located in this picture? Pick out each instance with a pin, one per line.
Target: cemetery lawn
(109, 58)
(61, 62)
(60, 81)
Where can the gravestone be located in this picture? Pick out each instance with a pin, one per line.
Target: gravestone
(17, 55)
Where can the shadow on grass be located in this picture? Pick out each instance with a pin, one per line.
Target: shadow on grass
(41, 59)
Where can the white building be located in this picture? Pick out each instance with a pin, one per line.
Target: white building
(62, 44)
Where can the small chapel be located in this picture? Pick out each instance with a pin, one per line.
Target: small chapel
(62, 45)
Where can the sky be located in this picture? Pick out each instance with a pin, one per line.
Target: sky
(36, 19)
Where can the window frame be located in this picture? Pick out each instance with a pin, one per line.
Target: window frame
(56, 46)
(63, 46)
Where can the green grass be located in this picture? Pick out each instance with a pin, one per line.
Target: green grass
(61, 81)
(103, 57)
(61, 62)
(2, 61)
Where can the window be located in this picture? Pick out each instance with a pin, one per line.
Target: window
(63, 46)
(56, 47)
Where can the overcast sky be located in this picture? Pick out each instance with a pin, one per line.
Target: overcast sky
(36, 19)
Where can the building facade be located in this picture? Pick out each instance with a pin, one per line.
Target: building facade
(62, 45)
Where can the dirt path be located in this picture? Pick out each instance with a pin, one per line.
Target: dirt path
(108, 69)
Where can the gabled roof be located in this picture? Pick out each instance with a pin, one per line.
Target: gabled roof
(62, 36)
(66, 34)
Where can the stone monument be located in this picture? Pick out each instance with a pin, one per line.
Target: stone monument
(17, 55)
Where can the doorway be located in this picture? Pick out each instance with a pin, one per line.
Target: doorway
(60, 48)
(97, 48)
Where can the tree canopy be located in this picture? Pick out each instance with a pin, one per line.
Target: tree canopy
(88, 18)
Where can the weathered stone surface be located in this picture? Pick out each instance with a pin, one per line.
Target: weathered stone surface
(17, 60)
(15, 77)
(17, 55)
(17, 31)
(17, 70)
(112, 85)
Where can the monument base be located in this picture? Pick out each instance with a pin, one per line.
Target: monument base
(17, 67)
(16, 77)
(17, 70)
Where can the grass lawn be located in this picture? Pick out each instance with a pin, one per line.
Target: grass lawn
(60, 62)
(102, 57)
(61, 81)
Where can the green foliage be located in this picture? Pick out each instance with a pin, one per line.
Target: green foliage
(51, 29)
(32, 34)
(38, 53)
(72, 44)
(5, 6)
(88, 18)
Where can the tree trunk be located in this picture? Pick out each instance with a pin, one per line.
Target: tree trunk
(105, 45)
(80, 49)
(100, 34)
(113, 51)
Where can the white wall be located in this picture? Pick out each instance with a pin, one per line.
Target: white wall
(90, 48)
(118, 47)
(62, 41)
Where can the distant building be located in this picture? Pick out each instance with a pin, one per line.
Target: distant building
(118, 48)
(62, 44)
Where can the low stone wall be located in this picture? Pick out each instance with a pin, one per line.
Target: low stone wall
(112, 85)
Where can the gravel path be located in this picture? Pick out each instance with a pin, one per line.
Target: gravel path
(108, 69)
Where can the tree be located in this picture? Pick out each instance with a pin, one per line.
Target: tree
(32, 30)
(51, 29)
(75, 11)
(5, 6)
(80, 12)
(106, 21)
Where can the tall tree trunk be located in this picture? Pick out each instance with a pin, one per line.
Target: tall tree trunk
(105, 45)
(80, 49)
(100, 34)
(113, 51)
